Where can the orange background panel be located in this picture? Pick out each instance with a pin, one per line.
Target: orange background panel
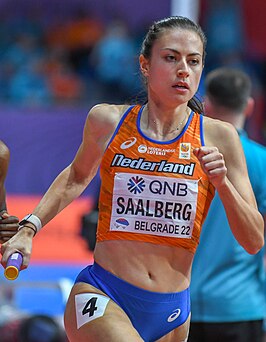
(60, 240)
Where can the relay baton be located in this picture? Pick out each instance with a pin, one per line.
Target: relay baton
(13, 265)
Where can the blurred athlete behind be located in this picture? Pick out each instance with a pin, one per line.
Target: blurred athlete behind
(228, 284)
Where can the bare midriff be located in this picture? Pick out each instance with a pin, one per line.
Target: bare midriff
(146, 265)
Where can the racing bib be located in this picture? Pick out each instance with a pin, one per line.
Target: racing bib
(161, 206)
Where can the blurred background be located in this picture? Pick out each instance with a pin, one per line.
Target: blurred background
(59, 58)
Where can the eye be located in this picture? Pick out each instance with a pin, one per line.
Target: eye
(194, 61)
(170, 58)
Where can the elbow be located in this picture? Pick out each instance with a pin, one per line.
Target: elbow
(257, 242)
(255, 246)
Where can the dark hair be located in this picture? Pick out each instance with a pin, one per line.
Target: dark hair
(229, 88)
(174, 22)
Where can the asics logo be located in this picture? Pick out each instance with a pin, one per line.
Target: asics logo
(176, 313)
(128, 143)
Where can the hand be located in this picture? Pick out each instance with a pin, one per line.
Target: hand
(212, 163)
(21, 242)
(8, 226)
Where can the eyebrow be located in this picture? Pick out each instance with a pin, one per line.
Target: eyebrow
(177, 52)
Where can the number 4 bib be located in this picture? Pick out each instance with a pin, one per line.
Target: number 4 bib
(89, 306)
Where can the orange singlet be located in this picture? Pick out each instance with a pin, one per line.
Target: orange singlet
(153, 191)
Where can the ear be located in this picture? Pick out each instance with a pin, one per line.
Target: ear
(249, 107)
(144, 66)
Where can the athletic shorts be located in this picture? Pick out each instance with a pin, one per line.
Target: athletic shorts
(153, 314)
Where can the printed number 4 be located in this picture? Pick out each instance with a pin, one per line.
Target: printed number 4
(90, 307)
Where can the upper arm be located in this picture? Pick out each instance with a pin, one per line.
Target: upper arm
(4, 161)
(225, 137)
(100, 124)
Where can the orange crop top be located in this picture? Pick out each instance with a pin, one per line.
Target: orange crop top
(153, 191)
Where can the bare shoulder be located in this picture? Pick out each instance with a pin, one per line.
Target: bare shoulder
(101, 122)
(106, 114)
(221, 134)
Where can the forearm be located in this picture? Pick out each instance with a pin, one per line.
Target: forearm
(60, 194)
(245, 220)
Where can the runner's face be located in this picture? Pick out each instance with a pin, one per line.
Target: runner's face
(173, 72)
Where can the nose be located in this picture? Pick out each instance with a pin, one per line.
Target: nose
(182, 70)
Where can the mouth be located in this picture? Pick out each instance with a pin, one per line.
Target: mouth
(181, 85)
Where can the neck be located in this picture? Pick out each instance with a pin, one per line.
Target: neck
(164, 123)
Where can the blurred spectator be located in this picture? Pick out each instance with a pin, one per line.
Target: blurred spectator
(29, 84)
(223, 26)
(65, 85)
(78, 37)
(21, 71)
(112, 54)
(24, 48)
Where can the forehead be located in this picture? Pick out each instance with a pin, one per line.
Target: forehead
(180, 40)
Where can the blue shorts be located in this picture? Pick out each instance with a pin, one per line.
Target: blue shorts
(153, 314)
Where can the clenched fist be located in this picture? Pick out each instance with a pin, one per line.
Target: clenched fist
(8, 226)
